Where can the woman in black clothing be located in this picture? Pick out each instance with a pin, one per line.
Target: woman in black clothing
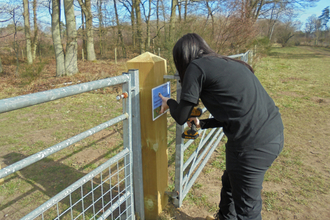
(252, 123)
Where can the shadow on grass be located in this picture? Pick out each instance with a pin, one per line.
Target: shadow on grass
(46, 178)
(296, 55)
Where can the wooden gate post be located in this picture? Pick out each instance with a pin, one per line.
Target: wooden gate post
(153, 134)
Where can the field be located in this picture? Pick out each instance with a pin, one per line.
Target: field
(296, 186)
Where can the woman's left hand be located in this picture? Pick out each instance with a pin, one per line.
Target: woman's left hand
(164, 103)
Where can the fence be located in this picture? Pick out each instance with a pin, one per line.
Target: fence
(107, 191)
(188, 167)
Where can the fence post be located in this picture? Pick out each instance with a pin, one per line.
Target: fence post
(178, 154)
(136, 135)
(153, 134)
(82, 55)
(1, 180)
(115, 55)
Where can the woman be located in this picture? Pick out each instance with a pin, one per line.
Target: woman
(238, 102)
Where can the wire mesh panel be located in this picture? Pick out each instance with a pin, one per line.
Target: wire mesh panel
(104, 193)
(107, 191)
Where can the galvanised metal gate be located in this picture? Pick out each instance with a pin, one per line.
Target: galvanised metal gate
(188, 167)
(107, 191)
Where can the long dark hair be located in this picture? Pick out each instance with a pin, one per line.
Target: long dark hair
(192, 46)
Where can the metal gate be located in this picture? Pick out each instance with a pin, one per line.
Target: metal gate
(107, 191)
(188, 167)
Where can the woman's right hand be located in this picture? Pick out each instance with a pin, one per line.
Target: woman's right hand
(196, 121)
(164, 103)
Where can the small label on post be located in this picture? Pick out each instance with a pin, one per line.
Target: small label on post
(165, 90)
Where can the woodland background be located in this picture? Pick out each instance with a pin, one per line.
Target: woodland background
(40, 31)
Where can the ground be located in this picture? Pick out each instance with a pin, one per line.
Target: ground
(295, 187)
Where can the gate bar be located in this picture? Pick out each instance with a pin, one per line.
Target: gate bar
(23, 101)
(57, 147)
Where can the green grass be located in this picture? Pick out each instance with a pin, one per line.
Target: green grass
(29, 130)
(296, 78)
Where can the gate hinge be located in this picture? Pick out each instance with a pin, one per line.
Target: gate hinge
(174, 195)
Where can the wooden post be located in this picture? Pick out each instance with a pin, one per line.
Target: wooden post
(115, 55)
(1, 180)
(158, 51)
(82, 55)
(153, 134)
(255, 50)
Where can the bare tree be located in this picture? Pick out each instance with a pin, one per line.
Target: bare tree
(173, 19)
(129, 5)
(72, 46)
(138, 22)
(89, 29)
(27, 31)
(120, 35)
(56, 34)
(147, 16)
(35, 26)
(255, 8)
(1, 70)
(212, 7)
(284, 32)
(65, 64)
(101, 28)
(313, 27)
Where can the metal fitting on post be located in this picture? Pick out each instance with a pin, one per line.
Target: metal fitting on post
(122, 96)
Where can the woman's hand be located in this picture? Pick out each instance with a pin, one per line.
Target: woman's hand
(196, 121)
(164, 103)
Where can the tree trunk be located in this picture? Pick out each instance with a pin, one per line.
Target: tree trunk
(133, 24)
(119, 29)
(100, 15)
(90, 39)
(179, 10)
(148, 28)
(1, 70)
(164, 21)
(56, 34)
(209, 10)
(89, 29)
(16, 45)
(157, 15)
(173, 19)
(83, 25)
(138, 23)
(185, 10)
(27, 31)
(72, 46)
(35, 39)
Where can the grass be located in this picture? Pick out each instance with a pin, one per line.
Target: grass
(296, 78)
(29, 130)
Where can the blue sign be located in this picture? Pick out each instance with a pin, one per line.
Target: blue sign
(165, 90)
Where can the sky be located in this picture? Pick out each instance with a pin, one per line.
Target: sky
(317, 10)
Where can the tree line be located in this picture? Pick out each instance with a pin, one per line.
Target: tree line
(92, 29)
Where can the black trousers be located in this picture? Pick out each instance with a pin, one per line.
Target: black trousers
(242, 180)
